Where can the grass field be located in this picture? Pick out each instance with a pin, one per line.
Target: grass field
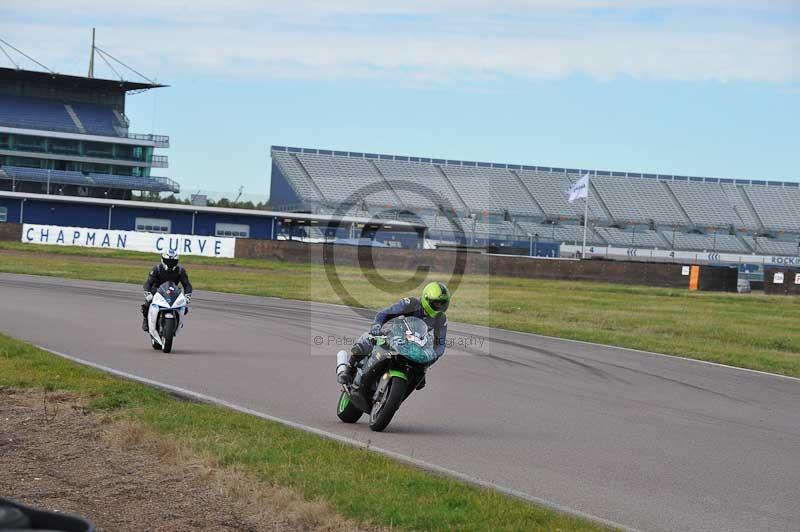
(318, 469)
(752, 331)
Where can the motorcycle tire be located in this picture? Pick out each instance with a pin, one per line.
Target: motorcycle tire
(11, 517)
(384, 409)
(168, 333)
(346, 410)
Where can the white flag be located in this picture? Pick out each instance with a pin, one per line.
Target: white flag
(580, 189)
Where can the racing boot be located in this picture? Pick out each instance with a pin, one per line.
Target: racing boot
(145, 326)
(345, 371)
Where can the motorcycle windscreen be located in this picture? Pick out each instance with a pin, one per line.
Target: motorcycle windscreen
(170, 292)
(410, 338)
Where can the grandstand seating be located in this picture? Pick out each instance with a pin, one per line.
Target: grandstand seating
(778, 207)
(638, 200)
(39, 113)
(477, 188)
(509, 201)
(723, 243)
(706, 204)
(299, 180)
(97, 120)
(634, 238)
(35, 113)
(769, 246)
(562, 233)
(343, 178)
(66, 177)
(421, 178)
(741, 205)
(550, 191)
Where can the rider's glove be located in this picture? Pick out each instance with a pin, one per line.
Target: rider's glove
(188, 298)
(148, 297)
(376, 329)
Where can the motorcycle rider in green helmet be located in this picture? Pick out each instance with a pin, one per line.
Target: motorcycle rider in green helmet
(431, 308)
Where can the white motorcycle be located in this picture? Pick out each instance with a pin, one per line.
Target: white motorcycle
(165, 316)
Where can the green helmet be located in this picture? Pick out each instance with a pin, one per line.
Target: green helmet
(435, 298)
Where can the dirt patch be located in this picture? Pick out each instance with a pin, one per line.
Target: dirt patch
(57, 455)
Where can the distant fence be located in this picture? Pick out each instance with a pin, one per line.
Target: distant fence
(640, 273)
(10, 232)
(624, 272)
(782, 281)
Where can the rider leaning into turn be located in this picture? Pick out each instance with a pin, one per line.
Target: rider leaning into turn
(167, 270)
(431, 308)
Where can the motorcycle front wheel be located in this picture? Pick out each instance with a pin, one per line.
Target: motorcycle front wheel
(385, 407)
(168, 333)
(346, 410)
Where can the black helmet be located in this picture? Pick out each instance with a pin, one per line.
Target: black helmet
(169, 259)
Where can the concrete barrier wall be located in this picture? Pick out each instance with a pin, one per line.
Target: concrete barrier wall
(10, 232)
(641, 273)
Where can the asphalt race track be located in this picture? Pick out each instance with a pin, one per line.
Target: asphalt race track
(652, 442)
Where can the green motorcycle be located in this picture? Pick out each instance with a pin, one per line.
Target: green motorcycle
(385, 378)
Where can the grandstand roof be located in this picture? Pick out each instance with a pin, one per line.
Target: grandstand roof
(73, 82)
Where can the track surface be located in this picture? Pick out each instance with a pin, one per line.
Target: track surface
(655, 443)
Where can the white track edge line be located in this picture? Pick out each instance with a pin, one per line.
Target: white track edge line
(189, 394)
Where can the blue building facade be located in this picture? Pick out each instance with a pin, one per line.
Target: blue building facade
(165, 218)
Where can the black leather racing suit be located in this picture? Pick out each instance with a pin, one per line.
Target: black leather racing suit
(160, 275)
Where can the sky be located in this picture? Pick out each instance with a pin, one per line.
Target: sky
(689, 87)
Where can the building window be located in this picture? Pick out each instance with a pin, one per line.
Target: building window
(153, 225)
(234, 230)
(3, 214)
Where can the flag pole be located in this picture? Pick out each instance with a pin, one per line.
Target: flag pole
(585, 218)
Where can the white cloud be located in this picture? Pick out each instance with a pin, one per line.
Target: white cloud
(429, 43)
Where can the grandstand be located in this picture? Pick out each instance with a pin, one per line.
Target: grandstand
(507, 204)
(69, 135)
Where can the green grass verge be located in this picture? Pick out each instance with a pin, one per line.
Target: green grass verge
(751, 331)
(356, 483)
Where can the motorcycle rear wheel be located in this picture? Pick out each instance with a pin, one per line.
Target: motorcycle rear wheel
(346, 410)
(384, 409)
